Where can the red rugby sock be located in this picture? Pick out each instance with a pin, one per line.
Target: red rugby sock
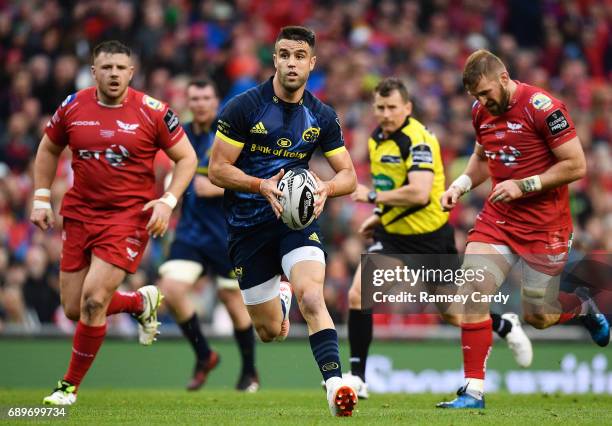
(85, 346)
(476, 341)
(571, 306)
(125, 301)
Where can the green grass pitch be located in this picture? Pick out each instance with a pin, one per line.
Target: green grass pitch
(108, 406)
(132, 384)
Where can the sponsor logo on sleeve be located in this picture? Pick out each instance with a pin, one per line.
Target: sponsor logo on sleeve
(540, 101)
(68, 99)
(171, 120)
(557, 122)
(421, 153)
(152, 103)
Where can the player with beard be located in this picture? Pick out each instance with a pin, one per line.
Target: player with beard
(526, 142)
(260, 134)
(114, 133)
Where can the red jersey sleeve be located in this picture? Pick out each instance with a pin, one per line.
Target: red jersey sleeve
(552, 120)
(169, 129)
(56, 127)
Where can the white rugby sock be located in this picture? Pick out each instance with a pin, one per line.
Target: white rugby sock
(475, 388)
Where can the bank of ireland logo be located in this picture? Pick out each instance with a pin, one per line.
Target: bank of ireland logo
(283, 143)
(311, 134)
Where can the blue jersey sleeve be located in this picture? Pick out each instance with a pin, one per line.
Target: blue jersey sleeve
(232, 124)
(331, 140)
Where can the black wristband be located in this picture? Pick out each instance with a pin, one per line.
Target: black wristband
(372, 197)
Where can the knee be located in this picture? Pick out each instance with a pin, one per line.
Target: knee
(93, 305)
(310, 301)
(452, 319)
(539, 321)
(267, 332)
(71, 310)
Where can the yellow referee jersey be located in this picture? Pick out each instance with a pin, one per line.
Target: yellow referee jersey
(410, 148)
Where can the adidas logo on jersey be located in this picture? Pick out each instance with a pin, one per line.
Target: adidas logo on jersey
(259, 129)
(314, 237)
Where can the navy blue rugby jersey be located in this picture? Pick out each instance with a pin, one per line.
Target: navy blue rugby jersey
(273, 135)
(202, 221)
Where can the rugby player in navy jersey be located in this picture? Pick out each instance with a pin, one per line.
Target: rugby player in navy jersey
(200, 245)
(270, 129)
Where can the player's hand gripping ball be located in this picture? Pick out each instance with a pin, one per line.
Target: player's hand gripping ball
(299, 194)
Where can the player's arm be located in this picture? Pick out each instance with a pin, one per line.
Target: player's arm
(186, 161)
(475, 173)
(204, 187)
(570, 166)
(45, 167)
(415, 194)
(343, 183)
(223, 173)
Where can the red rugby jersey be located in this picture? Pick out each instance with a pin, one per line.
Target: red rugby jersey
(519, 144)
(113, 149)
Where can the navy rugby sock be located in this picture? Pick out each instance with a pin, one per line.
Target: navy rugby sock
(246, 345)
(193, 333)
(501, 326)
(360, 337)
(324, 345)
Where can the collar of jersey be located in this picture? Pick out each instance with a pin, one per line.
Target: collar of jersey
(378, 134)
(517, 95)
(127, 98)
(268, 91)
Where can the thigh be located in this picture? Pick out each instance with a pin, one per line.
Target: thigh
(102, 279)
(118, 245)
(266, 312)
(539, 290)
(303, 245)
(254, 255)
(75, 250)
(71, 287)
(184, 264)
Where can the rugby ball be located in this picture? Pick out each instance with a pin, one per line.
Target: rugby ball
(299, 193)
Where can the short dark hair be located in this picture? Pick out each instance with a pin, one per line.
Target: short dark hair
(112, 47)
(203, 83)
(389, 84)
(297, 33)
(481, 63)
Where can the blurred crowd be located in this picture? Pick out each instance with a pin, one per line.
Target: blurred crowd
(564, 46)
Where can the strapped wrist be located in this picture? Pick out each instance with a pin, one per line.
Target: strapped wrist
(331, 189)
(255, 185)
(42, 198)
(463, 182)
(530, 184)
(169, 199)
